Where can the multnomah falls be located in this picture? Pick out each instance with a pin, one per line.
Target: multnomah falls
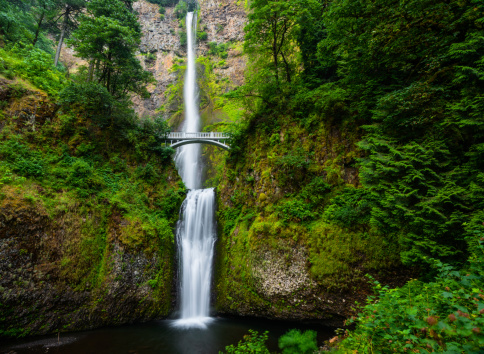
(195, 231)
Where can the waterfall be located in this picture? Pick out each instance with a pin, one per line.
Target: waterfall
(196, 231)
(196, 237)
(187, 158)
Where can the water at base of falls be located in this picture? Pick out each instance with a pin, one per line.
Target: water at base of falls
(196, 234)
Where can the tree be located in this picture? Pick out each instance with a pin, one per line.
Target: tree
(69, 13)
(413, 72)
(270, 31)
(108, 36)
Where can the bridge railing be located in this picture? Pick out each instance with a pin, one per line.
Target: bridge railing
(198, 135)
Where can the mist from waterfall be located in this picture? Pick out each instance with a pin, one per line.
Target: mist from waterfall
(196, 231)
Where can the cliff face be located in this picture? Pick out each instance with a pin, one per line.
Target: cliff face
(223, 23)
(280, 252)
(41, 289)
(69, 262)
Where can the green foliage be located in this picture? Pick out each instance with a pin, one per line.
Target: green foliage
(218, 49)
(297, 342)
(181, 10)
(411, 76)
(444, 315)
(21, 159)
(27, 21)
(202, 35)
(416, 195)
(148, 137)
(33, 64)
(270, 29)
(108, 37)
(350, 208)
(253, 343)
(150, 58)
(166, 3)
(183, 38)
(294, 165)
(340, 257)
(162, 10)
(295, 210)
(88, 98)
(315, 191)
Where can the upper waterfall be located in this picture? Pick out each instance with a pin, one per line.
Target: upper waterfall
(188, 157)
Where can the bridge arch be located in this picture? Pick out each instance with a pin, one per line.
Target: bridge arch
(200, 141)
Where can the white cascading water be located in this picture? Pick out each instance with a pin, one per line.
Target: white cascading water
(188, 156)
(196, 232)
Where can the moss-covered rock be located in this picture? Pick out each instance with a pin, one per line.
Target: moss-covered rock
(86, 225)
(280, 254)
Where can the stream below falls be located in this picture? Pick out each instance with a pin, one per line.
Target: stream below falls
(161, 337)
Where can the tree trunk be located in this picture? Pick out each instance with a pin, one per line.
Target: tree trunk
(38, 28)
(288, 69)
(61, 39)
(108, 80)
(275, 51)
(59, 46)
(91, 71)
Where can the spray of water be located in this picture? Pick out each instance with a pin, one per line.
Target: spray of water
(196, 232)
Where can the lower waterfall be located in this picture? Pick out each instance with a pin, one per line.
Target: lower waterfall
(196, 236)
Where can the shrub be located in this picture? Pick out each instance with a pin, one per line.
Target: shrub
(165, 3)
(297, 342)
(150, 57)
(183, 38)
(315, 191)
(445, 315)
(33, 64)
(251, 344)
(147, 173)
(181, 10)
(350, 208)
(295, 210)
(89, 98)
(21, 159)
(218, 49)
(202, 36)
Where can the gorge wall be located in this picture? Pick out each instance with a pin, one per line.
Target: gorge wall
(289, 246)
(85, 239)
(164, 54)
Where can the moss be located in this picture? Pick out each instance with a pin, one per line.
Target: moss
(340, 258)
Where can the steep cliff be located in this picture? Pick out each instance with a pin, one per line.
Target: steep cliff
(221, 63)
(291, 243)
(85, 226)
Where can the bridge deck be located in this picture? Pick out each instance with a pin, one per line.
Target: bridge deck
(177, 139)
(186, 136)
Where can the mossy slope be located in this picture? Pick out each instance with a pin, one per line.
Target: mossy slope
(86, 221)
(285, 248)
